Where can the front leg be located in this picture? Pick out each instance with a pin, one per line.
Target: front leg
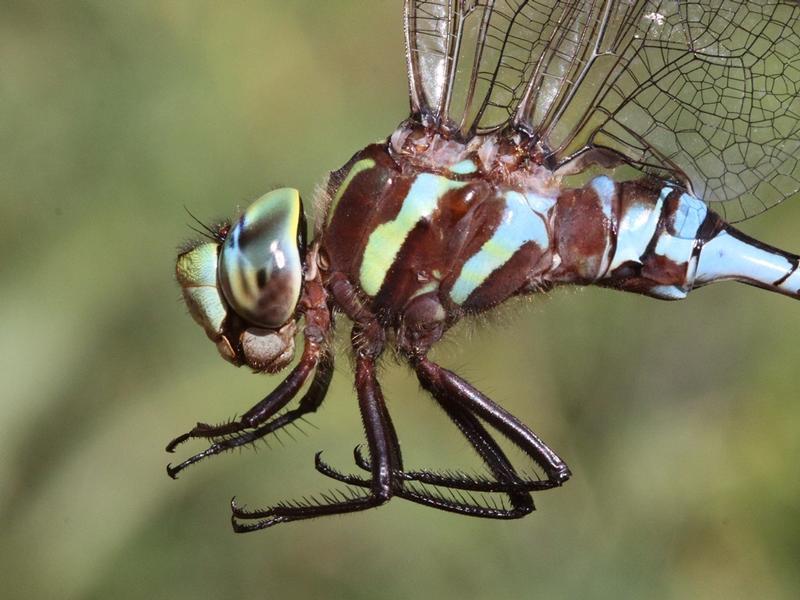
(266, 408)
(368, 337)
(308, 404)
(314, 308)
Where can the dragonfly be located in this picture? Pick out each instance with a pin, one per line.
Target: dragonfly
(594, 142)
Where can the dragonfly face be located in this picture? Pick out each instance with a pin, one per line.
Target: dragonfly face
(243, 289)
(467, 204)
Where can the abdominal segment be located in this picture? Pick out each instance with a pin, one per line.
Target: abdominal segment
(659, 241)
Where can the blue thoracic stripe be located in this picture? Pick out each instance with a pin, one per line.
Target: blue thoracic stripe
(465, 167)
(518, 226)
(385, 242)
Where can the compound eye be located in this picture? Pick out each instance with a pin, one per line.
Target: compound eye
(261, 262)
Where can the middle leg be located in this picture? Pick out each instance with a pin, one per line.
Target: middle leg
(450, 390)
(383, 448)
(506, 479)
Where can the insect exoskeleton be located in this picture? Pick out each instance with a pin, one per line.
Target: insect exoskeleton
(244, 288)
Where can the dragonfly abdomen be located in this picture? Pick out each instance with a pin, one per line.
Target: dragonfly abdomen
(630, 235)
(659, 241)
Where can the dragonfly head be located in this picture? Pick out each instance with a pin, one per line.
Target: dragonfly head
(244, 287)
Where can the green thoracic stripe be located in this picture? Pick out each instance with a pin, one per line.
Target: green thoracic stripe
(384, 243)
(359, 167)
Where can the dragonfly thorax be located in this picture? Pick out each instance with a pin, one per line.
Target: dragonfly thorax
(509, 159)
(424, 245)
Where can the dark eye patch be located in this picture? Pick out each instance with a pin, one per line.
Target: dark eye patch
(255, 232)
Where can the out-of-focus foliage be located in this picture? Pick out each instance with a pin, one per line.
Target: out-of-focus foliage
(681, 421)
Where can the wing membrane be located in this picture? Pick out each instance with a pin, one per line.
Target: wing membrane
(469, 60)
(706, 93)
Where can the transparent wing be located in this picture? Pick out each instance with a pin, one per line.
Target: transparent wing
(469, 60)
(701, 92)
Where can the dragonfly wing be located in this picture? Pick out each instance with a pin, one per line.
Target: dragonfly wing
(469, 60)
(704, 93)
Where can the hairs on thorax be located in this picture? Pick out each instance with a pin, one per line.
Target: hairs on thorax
(322, 201)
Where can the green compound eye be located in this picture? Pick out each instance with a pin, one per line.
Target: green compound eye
(261, 262)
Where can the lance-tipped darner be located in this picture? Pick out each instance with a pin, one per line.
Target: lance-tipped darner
(549, 143)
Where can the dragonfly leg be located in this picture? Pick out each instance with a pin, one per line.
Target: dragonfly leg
(310, 402)
(317, 325)
(421, 327)
(457, 502)
(507, 480)
(382, 444)
(266, 408)
(440, 381)
(494, 458)
(457, 480)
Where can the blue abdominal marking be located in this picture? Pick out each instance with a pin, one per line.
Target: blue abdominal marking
(636, 228)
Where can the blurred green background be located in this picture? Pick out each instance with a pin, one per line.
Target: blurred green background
(680, 420)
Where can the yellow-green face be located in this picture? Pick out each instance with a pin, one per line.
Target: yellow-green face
(255, 273)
